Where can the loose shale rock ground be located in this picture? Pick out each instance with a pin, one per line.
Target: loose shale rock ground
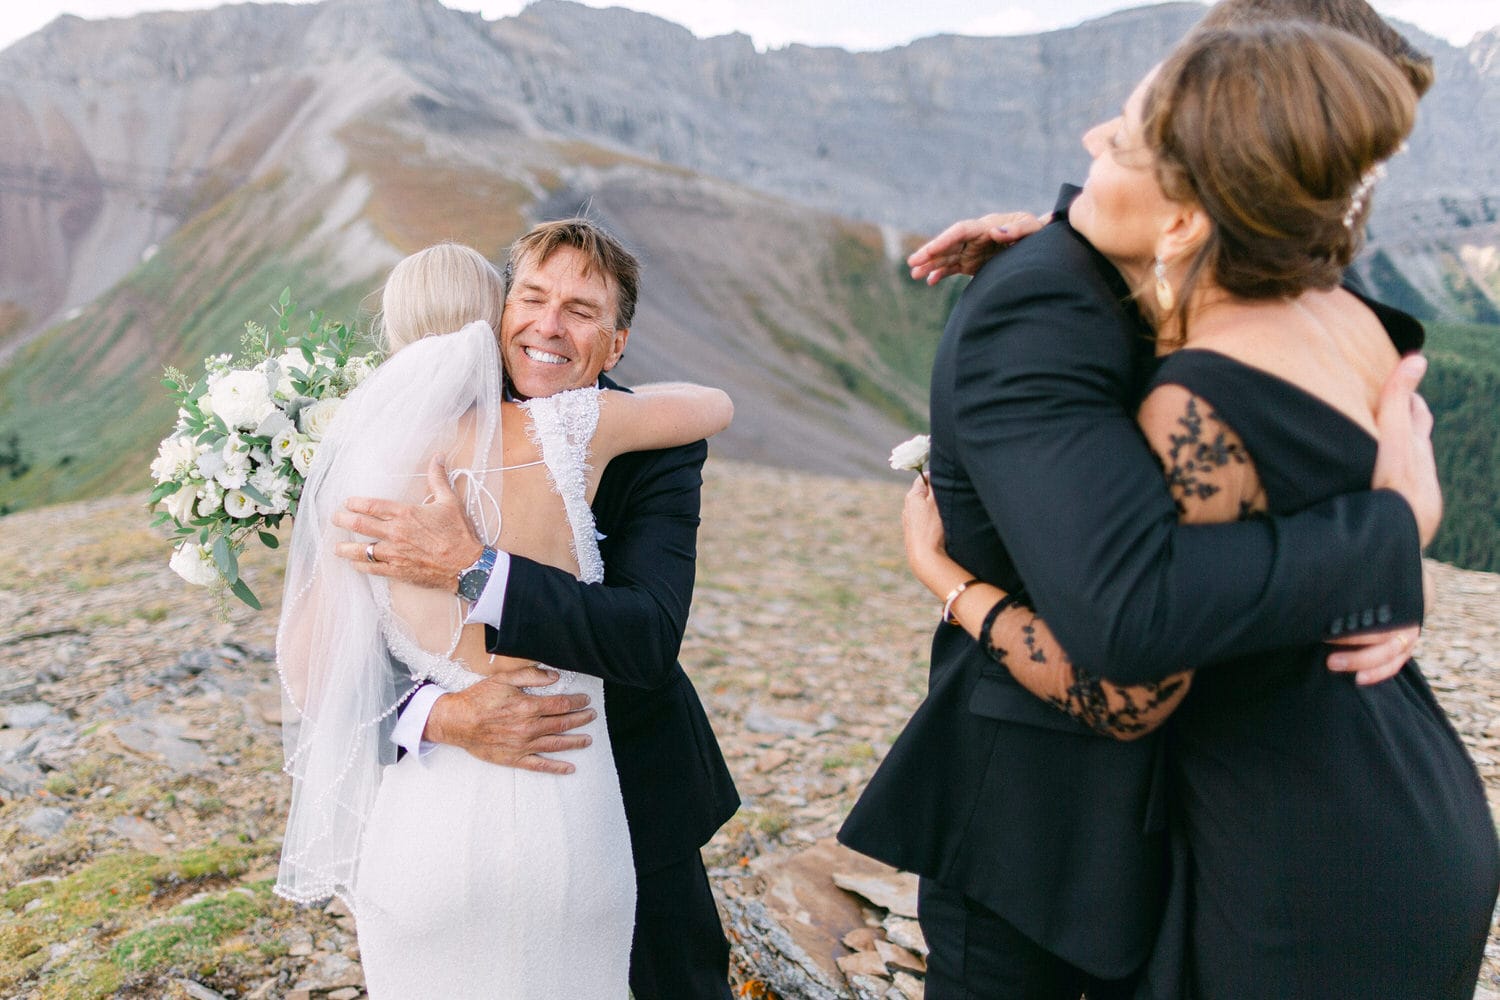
(141, 798)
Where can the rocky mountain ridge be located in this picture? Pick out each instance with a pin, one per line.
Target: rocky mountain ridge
(171, 171)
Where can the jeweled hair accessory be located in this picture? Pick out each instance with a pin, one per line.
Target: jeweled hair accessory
(1361, 193)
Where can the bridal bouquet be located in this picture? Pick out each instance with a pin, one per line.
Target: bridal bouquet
(234, 464)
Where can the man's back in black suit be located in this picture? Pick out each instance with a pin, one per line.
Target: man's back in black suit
(1044, 481)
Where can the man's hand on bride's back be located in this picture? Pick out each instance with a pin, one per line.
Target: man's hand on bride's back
(426, 544)
(496, 721)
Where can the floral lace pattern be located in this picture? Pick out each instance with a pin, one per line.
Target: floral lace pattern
(563, 427)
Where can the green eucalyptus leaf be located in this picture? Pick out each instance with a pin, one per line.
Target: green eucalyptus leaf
(255, 494)
(163, 491)
(244, 593)
(269, 540)
(224, 558)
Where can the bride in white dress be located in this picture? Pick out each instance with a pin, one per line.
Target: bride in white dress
(466, 879)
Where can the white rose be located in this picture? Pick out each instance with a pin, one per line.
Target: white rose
(237, 504)
(302, 456)
(911, 455)
(180, 504)
(317, 418)
(194, 564)
(175, 454)
(241, 398)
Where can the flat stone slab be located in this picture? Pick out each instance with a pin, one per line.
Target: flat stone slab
(889, 890)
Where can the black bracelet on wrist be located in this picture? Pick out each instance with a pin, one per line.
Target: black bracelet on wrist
(1012, 599)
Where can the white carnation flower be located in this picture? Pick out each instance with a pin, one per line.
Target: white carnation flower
(237, 504)
(194, 564)
(302, 456)
(274, 488)
(210, 500)
(911, 455)
(210, 463)
(241, 398)
(317, 418)
(180, 504)
(235, 471)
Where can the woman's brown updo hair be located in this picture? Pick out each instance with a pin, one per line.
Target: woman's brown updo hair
(1272, 129)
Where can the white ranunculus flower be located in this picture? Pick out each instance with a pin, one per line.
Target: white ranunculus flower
(317, 418)
(180, 504)
(175, 454)
(242, 399)
(237, 504)
(194, 564)
(911, 455)
(302, 456)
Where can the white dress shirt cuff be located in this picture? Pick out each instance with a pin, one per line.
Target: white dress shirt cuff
(412, 721)
(491, 604)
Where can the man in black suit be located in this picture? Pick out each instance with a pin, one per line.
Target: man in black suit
(571, 291)
(1041, 845)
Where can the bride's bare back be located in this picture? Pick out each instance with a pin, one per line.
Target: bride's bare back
(511, 479)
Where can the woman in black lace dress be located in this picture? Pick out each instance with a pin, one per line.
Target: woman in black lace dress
(1337, 838)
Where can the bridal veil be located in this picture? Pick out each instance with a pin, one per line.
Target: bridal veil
(341, 683)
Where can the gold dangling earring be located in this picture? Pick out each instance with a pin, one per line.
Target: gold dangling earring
(1164, 296)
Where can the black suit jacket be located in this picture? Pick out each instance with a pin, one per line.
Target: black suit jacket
(628, 630)
(1043, 480)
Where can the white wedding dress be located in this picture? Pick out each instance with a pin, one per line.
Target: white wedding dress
(469, 880)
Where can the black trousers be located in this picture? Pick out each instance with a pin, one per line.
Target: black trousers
(975, 954)
(679, 951)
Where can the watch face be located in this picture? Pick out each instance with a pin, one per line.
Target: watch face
(471, 584)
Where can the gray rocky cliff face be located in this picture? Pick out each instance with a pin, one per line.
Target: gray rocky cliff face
(133, 114)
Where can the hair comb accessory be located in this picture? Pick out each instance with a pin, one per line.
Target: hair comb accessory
(1361, 193)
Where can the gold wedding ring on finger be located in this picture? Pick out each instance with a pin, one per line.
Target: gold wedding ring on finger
(370, 552)
(1404, 641)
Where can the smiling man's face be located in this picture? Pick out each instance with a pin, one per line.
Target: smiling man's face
(558, 329)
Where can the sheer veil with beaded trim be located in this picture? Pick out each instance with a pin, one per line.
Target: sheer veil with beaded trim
(341, 684)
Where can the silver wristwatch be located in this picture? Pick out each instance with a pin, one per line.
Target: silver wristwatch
(472, 581)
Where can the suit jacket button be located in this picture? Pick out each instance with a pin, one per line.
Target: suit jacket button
(1368, 618)
(1336, 626)
(1383, 614)
(1352, 622)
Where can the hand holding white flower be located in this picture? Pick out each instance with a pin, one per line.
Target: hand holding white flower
(912, 454)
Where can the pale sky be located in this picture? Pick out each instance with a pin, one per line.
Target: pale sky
(853, 24)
